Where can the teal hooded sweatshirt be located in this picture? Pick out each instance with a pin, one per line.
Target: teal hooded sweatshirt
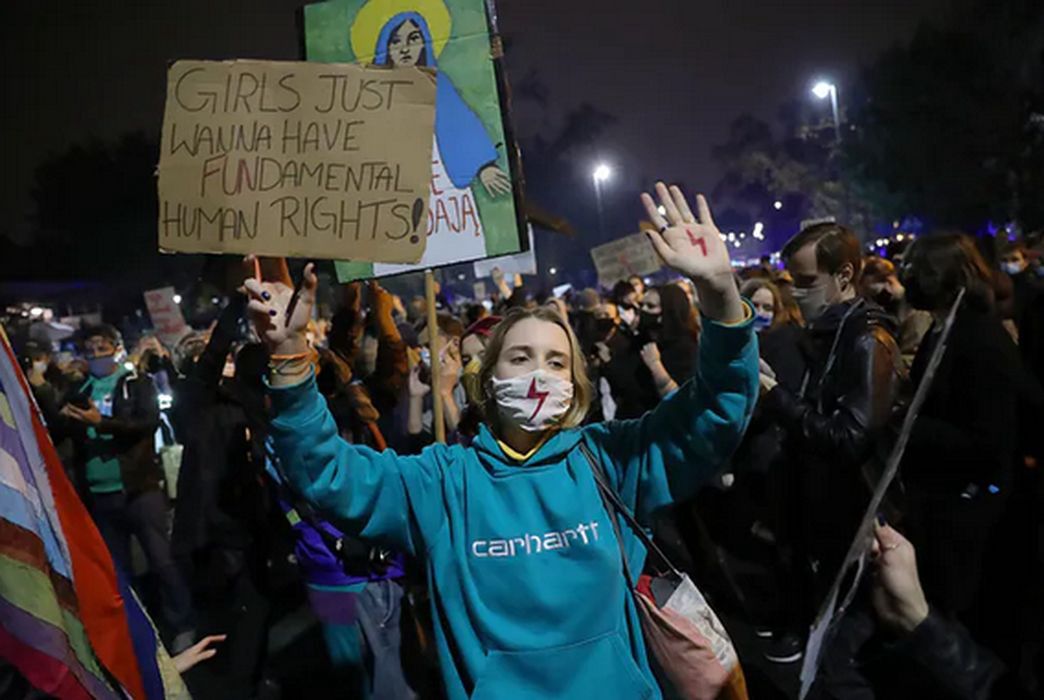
(527, 592)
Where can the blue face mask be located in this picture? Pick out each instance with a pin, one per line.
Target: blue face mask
(762, 321)
(102, 366)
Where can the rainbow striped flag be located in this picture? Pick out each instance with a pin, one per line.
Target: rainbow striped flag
(69, 621)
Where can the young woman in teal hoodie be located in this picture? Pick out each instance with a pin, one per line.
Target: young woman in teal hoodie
(527, 591)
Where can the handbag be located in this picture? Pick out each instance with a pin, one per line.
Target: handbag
(686, 638)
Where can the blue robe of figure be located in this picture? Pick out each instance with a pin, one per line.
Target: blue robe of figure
(462, 139)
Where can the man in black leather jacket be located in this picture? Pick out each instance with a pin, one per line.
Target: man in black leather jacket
(835, 422)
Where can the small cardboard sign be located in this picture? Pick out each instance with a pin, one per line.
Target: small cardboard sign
(296, 159)
(166, 316)
(619, 259)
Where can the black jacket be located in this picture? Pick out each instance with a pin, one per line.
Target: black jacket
(133, 425)
(630, 380)
(938, 660)
(221, 499)
(835, 426)
(966, 430)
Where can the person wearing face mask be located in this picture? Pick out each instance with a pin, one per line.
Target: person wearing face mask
(834, 421)
(528, 596)
(1026, 286)
(113, 417)
(670, 335)
(779, 333)
(880, 283)
(627, 303)
(633, 386)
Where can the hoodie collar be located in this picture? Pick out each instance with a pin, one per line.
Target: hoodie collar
(501, 459)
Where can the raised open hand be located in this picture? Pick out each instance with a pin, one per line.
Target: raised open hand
(694, 248)
(690, 246)
(270, 304)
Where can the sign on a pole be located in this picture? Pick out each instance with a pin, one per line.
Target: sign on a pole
(474, 209)
(296, 159)
(619, 259)
(167, 319)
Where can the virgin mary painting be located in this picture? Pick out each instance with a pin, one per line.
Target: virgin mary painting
(462, 144)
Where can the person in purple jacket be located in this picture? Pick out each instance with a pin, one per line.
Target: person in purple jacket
(356, 594)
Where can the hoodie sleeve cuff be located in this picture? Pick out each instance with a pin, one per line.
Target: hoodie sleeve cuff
(728, 339)
(296, 403)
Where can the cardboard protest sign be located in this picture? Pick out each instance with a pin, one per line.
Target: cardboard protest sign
(474, 209)
(166, 316)
(296, 159)
(619, 259)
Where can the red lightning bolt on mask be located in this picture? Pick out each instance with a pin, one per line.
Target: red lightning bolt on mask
(515, 399)
(540, 396)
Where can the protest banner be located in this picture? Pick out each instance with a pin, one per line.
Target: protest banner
(296, 159)
(167, 319)
(833, 608)
(619, 259)
(474, 208)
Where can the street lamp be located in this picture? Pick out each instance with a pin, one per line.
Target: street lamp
(823, 90)
(600, 174)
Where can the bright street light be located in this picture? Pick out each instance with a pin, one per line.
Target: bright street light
(822, 89)
(176, 298)
(553, 270)
(600, 174)
(777, 205)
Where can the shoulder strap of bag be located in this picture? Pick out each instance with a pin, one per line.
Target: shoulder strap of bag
(612, 503)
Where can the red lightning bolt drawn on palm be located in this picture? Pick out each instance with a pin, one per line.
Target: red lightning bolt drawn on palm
(697, 242)
(541, 397)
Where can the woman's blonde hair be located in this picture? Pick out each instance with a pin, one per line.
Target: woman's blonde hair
(582, 387)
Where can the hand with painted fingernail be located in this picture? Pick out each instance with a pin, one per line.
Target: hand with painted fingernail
(694, 247)
(268, 307)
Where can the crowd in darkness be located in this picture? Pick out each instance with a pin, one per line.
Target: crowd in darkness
(305, 468)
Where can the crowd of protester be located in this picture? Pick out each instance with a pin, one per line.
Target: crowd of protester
(339, 492)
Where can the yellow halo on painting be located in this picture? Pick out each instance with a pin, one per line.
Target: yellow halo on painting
(372, 17)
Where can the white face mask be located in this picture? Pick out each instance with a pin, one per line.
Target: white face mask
(1012, 268)
(534, 401)
(628, 316)
(814, 300)
(811, 300)
(39, 367)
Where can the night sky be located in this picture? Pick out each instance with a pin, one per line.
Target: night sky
(674, 74)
